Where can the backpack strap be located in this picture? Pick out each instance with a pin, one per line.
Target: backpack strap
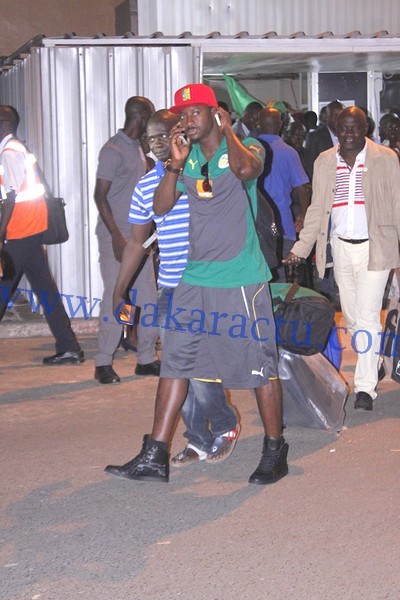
(251, 208)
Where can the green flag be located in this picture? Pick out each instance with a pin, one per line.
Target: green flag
(240, 98)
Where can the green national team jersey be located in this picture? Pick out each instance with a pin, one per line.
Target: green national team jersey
(224, 250)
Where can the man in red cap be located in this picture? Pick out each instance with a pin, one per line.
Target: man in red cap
(220, 320)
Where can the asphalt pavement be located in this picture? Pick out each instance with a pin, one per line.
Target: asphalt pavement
(329, 530)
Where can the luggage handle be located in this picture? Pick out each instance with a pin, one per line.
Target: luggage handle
(289, 295)
(294, 288)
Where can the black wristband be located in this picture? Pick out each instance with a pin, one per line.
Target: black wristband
(173, 170)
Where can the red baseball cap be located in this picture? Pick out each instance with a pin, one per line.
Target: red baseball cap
(193, 94)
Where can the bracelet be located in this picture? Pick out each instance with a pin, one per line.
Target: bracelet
(173, 170)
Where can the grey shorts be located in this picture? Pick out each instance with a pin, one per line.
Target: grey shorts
(221, 333)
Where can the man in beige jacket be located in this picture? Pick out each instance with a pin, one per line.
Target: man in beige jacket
(356, 204)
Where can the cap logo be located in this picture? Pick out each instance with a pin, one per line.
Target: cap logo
(193, 94)
(186, 94)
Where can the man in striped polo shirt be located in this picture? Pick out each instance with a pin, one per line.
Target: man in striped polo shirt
(211, 424)
(356, 203)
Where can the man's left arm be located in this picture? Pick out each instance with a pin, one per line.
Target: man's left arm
(243, 162)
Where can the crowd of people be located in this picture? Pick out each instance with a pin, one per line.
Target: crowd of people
(175, 232)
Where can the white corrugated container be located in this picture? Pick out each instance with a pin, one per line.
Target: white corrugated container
(201, 17)
(71, 100)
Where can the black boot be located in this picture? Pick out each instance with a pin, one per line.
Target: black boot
(273, 464)
(152, 464)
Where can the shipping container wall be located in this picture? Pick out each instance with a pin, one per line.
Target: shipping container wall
(71, 100)
(201, 17)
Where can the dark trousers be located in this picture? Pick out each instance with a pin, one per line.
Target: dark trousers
(27, 256)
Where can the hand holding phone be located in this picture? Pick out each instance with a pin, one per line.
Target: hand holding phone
(179, 143)
(127, 314)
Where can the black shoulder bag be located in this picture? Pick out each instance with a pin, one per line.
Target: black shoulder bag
(57, 230)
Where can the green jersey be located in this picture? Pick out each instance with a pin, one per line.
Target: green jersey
(224, 250)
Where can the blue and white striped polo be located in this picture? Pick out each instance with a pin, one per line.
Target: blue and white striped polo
(172, 228)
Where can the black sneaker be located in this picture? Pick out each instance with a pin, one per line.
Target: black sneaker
(123, 470)
(151, 464)
(363, 401)
(273, 464)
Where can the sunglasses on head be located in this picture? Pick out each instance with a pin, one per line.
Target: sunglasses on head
(206, 183)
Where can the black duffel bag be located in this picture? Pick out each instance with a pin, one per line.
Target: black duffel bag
(304, 318)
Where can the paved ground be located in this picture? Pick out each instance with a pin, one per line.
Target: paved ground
(330, 530)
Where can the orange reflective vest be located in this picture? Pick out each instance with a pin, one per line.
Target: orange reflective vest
(29, 216)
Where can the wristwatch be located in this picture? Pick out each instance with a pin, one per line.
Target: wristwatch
(173, 170)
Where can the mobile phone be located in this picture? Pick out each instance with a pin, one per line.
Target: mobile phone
(218, 119)
(183, 140)
(127, 314)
